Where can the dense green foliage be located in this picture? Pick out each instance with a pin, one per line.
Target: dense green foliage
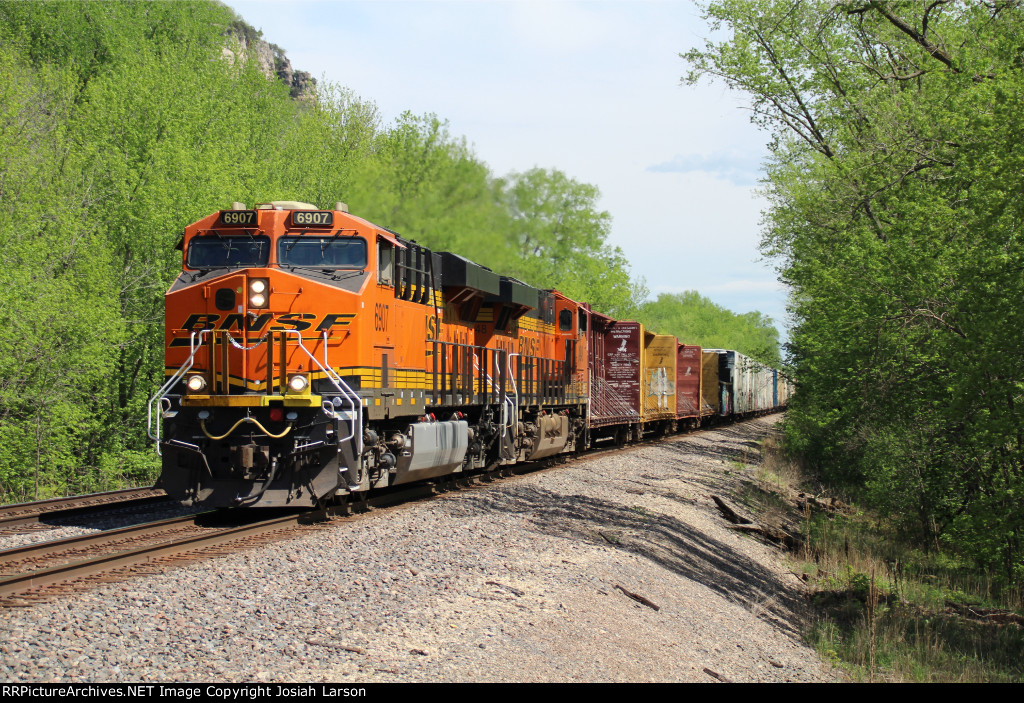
(697, 320)
(896, 217)
(886, 608)
(120, 122)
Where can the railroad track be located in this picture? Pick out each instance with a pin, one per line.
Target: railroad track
(25, 517)
(43, 571)
(47, 570)
(38, 556)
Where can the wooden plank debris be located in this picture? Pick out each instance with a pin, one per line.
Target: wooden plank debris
(638, 598)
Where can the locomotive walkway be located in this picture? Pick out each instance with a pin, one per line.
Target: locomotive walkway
(613, 568)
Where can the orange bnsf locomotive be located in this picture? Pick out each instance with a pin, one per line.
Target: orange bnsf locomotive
(312, 355)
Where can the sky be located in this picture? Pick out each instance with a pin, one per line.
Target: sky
(592, 89)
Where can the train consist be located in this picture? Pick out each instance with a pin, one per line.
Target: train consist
(312, 355)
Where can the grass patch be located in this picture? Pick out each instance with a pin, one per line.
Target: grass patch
(640, 510)
(885, 608)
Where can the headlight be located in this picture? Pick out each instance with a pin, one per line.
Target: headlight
(258, 289)
(195, 383)
(298, 383)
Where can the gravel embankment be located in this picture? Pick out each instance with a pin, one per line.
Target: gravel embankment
(519, 581)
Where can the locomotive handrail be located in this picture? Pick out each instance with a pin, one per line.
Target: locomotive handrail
(356, 415)
(350, 395)
(505, 401)
(515, 404)
(489, 385)
(343, 388)
(160, 394)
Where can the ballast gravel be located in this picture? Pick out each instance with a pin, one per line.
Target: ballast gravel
(524, 580)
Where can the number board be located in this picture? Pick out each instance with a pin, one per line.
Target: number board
(312, 218)
(237, 218)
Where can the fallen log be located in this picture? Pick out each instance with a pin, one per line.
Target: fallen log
(743, 524)
(730, 514)
(715, 674)
(979, 614)
(775, 535)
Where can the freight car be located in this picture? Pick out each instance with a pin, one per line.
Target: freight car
(311, 355)
(746, 387)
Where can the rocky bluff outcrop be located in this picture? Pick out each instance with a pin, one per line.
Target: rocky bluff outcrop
(244, 39)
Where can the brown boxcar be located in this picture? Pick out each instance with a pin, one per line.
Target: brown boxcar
(616, 371)
(688, 375)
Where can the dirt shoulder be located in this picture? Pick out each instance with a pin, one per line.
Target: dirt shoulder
(618, 568)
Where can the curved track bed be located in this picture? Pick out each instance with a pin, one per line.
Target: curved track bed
(46, 570)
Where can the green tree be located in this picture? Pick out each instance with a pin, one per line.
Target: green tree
(894, 217)
(695, 319)
(425, 183)
(58, 311)
(560, 237)
(129, 107)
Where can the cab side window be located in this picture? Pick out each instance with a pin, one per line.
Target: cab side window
(565, 320)
(385, 263)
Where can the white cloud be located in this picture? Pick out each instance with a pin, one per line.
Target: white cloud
(738, 167)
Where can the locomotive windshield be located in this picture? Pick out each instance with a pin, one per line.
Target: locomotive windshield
(218, 251)
(332, 252)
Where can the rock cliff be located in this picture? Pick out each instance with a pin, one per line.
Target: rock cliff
(245, 40)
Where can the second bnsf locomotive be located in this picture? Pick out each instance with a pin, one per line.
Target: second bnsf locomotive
(311, 354)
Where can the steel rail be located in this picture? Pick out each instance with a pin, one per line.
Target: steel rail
(18, 514)
(21, 583)
(39, 550)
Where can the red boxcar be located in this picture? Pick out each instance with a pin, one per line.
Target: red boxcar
(688, 366)
(615, 370)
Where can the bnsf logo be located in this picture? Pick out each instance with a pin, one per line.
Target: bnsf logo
(299, 321)
(529, 347)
